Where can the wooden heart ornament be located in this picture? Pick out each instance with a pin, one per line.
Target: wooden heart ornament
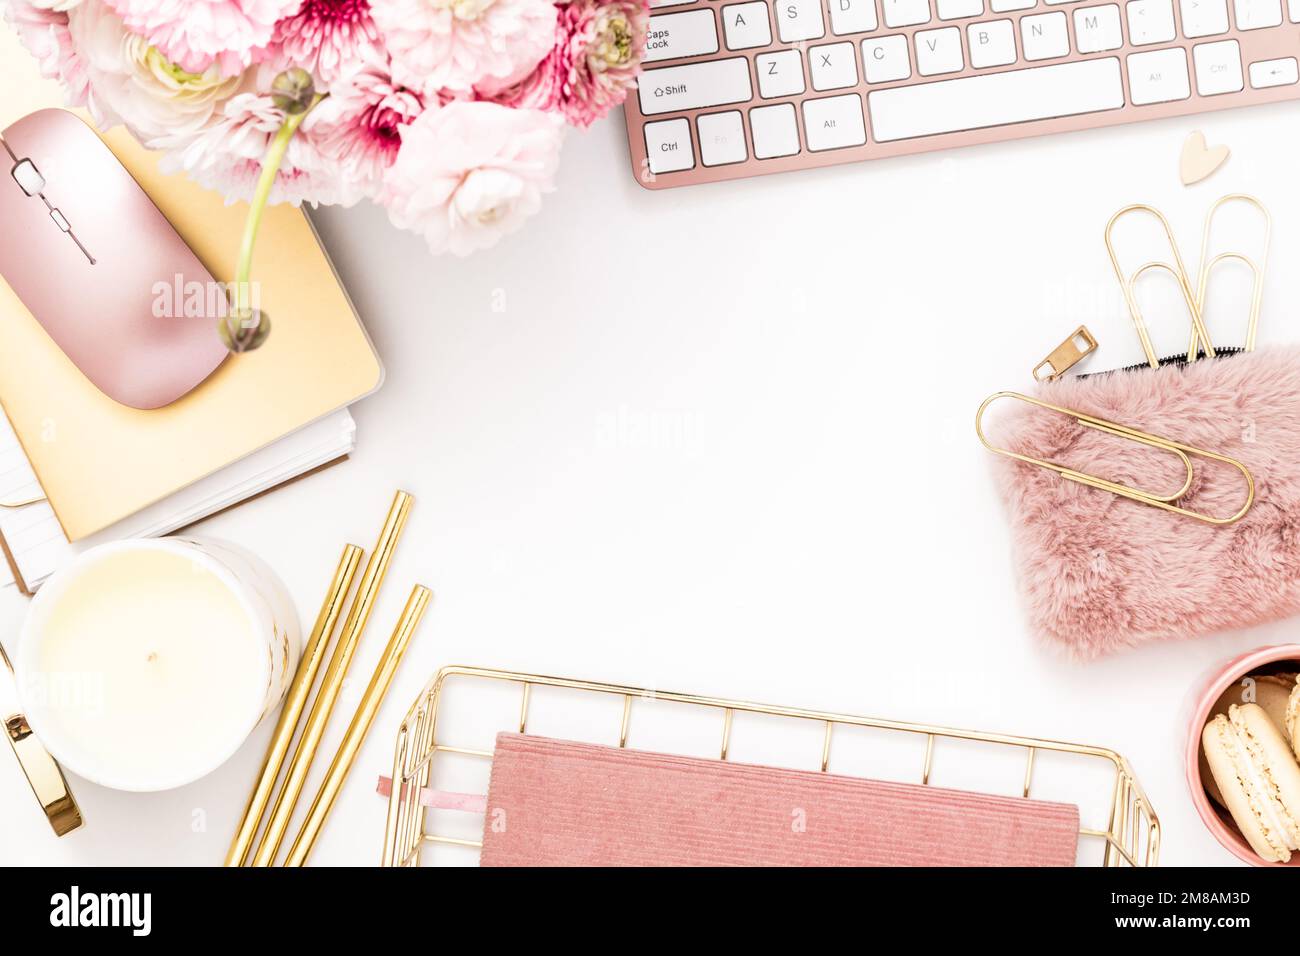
(1200, 161)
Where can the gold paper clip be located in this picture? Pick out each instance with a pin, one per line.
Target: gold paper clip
(1208, 265)
(1184, 453)
(1065, 356)
(1176, 268)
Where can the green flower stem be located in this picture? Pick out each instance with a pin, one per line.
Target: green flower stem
(270, 168)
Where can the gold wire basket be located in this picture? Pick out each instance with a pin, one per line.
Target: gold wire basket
(1128, 833)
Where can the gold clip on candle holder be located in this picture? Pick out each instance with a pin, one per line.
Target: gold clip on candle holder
(1166, 502)
(43, 773)
(1176, 268)
(1208, 265)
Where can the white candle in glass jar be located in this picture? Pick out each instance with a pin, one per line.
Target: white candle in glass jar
(144, 665)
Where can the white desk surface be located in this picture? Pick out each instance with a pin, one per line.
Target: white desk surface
(720, 440)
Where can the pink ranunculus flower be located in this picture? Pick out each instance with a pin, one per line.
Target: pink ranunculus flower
(130, 82)
(593, 65)
(359, 126)
(195, 34)
(328, 38)
(43, 30)
(471, 172)
(459, 44)
(227, 156)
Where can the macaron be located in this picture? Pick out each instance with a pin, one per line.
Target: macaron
(1292, 719)
(1273, 692)
(1259, 778)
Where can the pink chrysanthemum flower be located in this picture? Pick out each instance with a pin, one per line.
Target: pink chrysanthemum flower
(360, 125)
(227, 157)
(459, 44)
(43, 30)
(594, 63)
(328, 38)
(195, 34)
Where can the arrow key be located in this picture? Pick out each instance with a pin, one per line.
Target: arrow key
(1268, 73)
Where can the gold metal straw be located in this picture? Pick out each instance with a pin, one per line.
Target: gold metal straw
(360, 726)
(332, 682)
(312, 656)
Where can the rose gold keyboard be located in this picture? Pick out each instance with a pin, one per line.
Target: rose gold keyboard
(733, 89)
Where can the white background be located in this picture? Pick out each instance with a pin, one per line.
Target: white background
(720, 440)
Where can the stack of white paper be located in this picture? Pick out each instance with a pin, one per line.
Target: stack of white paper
(39, 548)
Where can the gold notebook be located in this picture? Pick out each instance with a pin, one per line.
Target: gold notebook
(98, 461)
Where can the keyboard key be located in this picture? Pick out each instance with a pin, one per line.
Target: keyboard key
(854, 16)
(722, 138)
(1218, 68)
(1258, 14)
(906, 13)
(885, 60)
(745, 25)
(1204, 18)
(799, 20)
(774, 131)
(991, 44)
(655, 4)
(1097, 29)
(960, 9)
(834, 123)
(668, 146)
(939, 51)
(833, 67)
(680, 34)
(779, 74)
(1150, 21)
(1158, 77)
(996, 99)
(1045, 35)
(1268, 73)
(671, 89)
(1007, 6)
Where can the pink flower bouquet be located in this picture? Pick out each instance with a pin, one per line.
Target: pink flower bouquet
(449, 113)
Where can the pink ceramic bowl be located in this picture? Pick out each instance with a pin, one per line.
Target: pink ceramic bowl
(1217, 819)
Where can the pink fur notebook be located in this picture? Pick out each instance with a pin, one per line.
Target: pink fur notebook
(557, 803)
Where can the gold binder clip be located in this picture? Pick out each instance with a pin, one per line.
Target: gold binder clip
(1184, 453)
(1175, 268)
(1065, 356)
(44, 775)
(1208, 265)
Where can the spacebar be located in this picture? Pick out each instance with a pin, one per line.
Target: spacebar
(996, 99)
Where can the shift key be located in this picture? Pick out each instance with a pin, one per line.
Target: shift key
(693, 86)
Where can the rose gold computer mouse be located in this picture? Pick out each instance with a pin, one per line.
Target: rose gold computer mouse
(98, 265)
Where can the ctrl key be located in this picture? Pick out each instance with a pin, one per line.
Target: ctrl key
(668, 146)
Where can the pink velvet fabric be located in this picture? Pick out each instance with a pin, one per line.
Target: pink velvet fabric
(558, 803)
(1100, 573)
